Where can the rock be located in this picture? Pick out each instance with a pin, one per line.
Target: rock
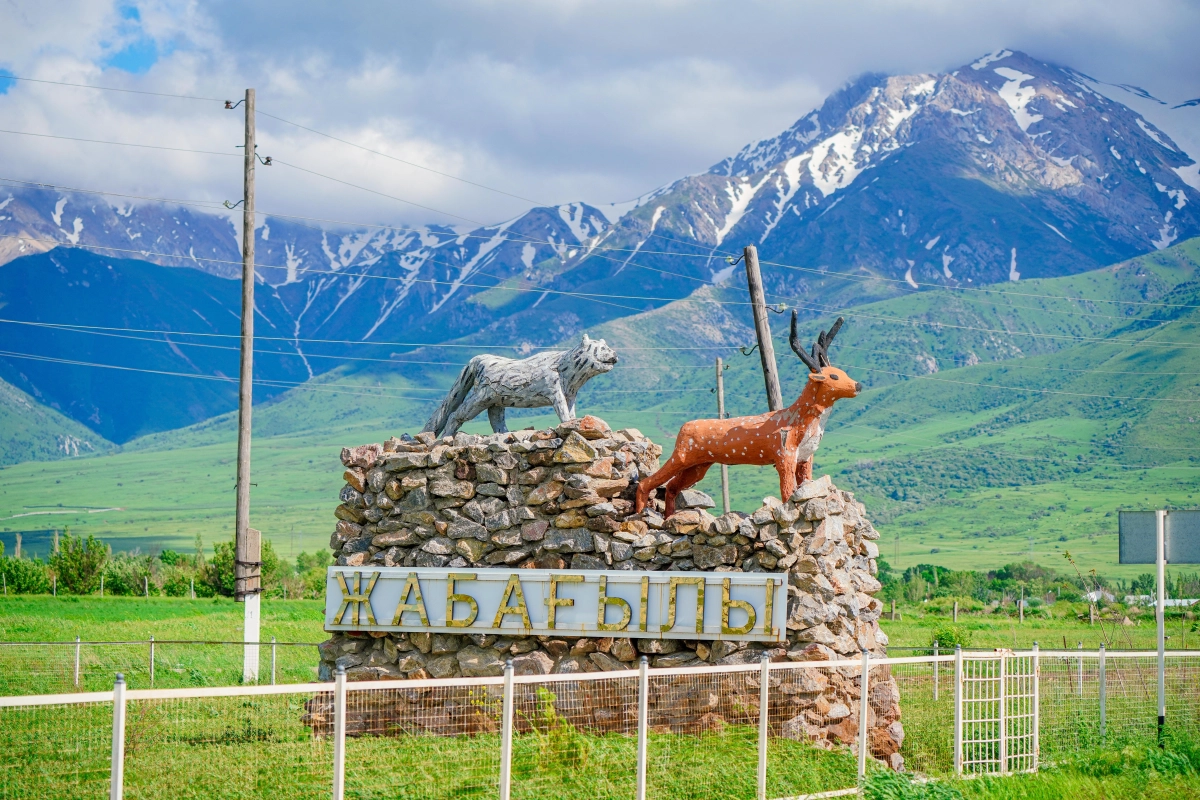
(479, 662)
(585, 561)
(693, 498)
(443, 666)
(355, 479)
(574, 540)
(544, 493)
(402, 462)
(415, 500)
(472, 549)
(812, 488)
(819, 634)
(447, 487)
(439, 546)
(443, 643)
(533, 663)
(573, 518)
(489, 473)
(534, 531)
(401, 538)
(463, 528)
(601, 509)
(589, 427)
(623, 650)
(364, 456)
(606, 662)
(575, 450)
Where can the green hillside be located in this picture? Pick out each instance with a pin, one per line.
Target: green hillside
(30, 431)
(1036, 445)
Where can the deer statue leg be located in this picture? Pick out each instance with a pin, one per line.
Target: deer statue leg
(804, 470)
(663, 475)
(787, 469)
(689, 477)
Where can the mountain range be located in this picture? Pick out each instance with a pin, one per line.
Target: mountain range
(1005, 169)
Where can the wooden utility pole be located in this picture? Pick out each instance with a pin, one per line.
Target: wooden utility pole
(247, 552)
(721, 415)
(762, 329)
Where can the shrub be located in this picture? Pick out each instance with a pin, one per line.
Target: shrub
(79, 563)
(948, 636)
(129, 575)
(24, 575)
(219, 574)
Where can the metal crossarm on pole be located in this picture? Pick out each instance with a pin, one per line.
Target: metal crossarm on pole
(116, 784)
(764, 692)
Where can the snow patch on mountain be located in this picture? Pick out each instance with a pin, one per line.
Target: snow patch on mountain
(1013, 275)
(991, 58)
(790, 173)
(58, 209)
(1017, 96)
(740, 194)
(1189, 175)
(1153, 134)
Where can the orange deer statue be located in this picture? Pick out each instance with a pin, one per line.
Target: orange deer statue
(786, 438)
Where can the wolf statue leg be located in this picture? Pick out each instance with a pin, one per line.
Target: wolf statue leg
(496, 417)
(471, 408)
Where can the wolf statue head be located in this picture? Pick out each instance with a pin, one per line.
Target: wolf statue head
(589, 358)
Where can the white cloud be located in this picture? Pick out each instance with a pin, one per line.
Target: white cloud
(554, 101)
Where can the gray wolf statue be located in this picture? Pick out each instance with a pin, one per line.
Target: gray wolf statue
(493, 383)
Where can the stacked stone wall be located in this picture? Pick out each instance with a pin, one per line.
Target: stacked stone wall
(563, 497)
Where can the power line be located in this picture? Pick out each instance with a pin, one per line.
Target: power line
(109, 88)
(121, 144)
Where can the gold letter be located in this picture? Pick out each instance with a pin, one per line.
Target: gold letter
(358, 598)
(553, 601)
(417, 605)
(727, 604)
(452, 598)
(513, 587)
(675, 584)
(645, 603)
(605, 602)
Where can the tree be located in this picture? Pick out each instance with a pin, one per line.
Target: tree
(219, 573)
(79, 563)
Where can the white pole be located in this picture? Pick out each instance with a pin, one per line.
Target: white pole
(1003, 716)
(764, 692)
(339, 734)
(77, 662)
(506, 733)
(193, 584)
(643, 718)
(1160, 537)
(1037, 706)
(1103, 694)
(272, 660)
(151, 660)
(863, 707)
(958, 709)
(935, 671)
(116, 786)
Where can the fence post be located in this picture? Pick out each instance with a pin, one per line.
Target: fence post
(1037, 706)
(116, 785)
(763, 695)
(1103, 693)
(643, 718)
(935, 671)
(958, 709)
(152, 659)
(506, 733)
(1003, 715)
(76, 662)
(193, 587)
(339, 734)
(272, 660)
(863, 707)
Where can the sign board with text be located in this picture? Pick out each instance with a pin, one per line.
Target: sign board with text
(746, 606)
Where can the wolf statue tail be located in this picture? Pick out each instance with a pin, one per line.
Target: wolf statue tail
(454, 398)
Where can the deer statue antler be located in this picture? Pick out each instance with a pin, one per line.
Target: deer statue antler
(794, 340)
(824, 339)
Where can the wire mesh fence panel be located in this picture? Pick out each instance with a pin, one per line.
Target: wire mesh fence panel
(703, 735)
(228, 747)
(1183, 695)
(428, 742)
(927, 704)
(37, 669)
(575, 738)
(1070, 703)
(56, 751)
(803, 755)
(981, 708)
(1020, 713)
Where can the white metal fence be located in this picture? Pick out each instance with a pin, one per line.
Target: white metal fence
(724, 731)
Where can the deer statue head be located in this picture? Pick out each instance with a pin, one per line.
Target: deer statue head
(831, 383)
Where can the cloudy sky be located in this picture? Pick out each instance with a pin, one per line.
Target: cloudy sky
(549, 100)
